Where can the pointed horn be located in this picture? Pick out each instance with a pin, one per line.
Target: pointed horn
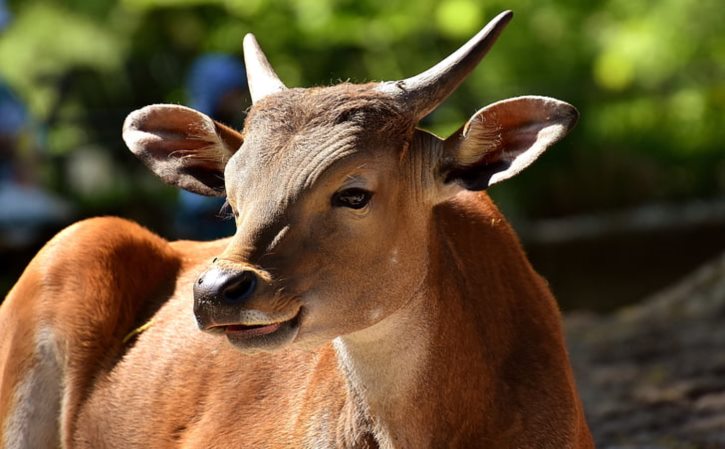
(261, 78)
(424, 92)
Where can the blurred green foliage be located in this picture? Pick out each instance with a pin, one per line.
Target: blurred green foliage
(648, 77)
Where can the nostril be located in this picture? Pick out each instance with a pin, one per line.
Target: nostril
(240, 288)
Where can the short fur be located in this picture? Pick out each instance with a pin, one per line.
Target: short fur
(412, 321)
(505, 384)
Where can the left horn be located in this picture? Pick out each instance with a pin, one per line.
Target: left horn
(422, 93)
(261, 78)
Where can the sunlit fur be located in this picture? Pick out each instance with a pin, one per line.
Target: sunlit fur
(423, 325)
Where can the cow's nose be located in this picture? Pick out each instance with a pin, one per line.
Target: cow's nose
(218, 286)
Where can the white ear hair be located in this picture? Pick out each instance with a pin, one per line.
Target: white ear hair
(504, 138)
(481, 135)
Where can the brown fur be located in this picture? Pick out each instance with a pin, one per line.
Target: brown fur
(419, 321)
(499, 373)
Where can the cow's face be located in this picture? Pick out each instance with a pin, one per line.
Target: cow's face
(332, 191)
(320, 190)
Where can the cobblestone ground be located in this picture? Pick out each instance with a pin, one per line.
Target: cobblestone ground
(652, 376)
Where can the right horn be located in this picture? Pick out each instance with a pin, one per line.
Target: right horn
(422, 93)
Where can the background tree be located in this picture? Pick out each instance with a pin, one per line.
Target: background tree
(648, 78)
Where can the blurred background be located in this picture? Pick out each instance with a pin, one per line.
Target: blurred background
(630, 202)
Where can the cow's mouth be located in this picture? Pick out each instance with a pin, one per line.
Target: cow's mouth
(252, 330)
(262, 335)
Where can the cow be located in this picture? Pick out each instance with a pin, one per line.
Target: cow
(372, 296)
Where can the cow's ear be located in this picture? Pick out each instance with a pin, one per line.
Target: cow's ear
(503, 138)
(184, 147)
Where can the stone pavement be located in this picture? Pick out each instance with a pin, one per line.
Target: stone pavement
(652, 376)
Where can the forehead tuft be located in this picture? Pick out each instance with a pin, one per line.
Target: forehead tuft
(294, 136)
(294, 111)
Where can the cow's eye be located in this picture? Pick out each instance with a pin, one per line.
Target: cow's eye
(354, 198)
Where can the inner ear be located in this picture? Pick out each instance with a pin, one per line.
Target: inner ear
(184, 147)
(502, 139)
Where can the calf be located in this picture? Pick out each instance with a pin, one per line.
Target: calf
(372, 295)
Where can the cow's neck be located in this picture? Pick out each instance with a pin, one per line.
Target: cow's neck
(384, 367)
(402, 370)
(430, 364)
(399, 370)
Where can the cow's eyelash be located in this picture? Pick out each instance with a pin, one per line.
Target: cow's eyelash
(226, 212)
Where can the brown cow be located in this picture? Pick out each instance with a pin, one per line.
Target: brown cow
(369, 298)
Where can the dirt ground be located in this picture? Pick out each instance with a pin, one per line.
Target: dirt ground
(652, 376)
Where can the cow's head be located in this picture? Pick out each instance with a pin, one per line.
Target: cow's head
(332, 190)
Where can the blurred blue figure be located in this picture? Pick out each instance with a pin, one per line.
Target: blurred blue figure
(25, 208)
(217, 86)
(4, 15)
(13, 116)
(13, 119)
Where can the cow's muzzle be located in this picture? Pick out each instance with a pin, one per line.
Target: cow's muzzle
(220, 293)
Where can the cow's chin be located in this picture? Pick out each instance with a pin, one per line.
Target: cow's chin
(266, 338)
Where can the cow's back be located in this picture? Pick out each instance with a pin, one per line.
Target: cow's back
(174, 386)
(63, 323)
(99, 348)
